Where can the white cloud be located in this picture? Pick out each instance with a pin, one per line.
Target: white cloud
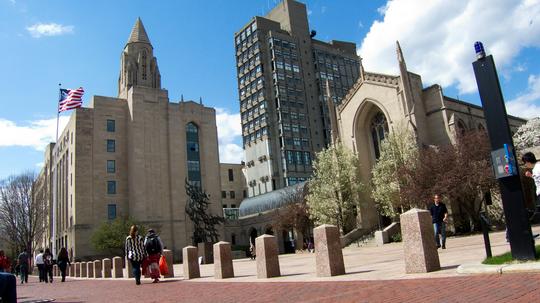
(527, 105)
(437, 37)
(229, 132)
(49, 29)
(35, 134)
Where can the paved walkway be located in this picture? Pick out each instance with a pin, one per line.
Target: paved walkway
(481, 288)
(374, 274)
(367, 263)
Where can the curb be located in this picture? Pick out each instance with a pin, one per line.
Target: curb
(475, 268)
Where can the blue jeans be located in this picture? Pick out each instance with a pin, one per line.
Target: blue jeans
(440, 229)
(136, 265)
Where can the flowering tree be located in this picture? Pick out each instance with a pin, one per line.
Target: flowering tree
(528, 135)
(334, 190)
(399, 149)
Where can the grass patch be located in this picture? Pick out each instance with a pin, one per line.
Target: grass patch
(507, 258)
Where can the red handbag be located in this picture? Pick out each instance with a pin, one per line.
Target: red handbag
(163, 266)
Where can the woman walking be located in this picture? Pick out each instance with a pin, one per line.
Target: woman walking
(135, 252)
(5, 265)
(63, 262)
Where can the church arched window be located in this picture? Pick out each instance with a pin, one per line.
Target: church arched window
(379, 129)
(143, 64)
(461, 129)
(193, 154)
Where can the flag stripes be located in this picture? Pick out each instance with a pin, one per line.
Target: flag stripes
(70, 99)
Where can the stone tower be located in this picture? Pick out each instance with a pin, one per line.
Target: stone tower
(138, 66)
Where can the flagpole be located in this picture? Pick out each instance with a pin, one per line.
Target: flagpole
(55, 181)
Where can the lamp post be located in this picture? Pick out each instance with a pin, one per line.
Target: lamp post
(503, 156)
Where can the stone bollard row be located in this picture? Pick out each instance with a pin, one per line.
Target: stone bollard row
(72, 271)
(78, 269)
(223, 265)
(328, 253)
(89, 269)
(267, 257)
(118, 269)
(83, 269)
(97, 269)
(106, 267)
(190, 263)
(419, 247)
(55, 270)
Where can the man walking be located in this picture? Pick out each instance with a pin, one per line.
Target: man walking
(40, 263)
(439, 216)
(531, 163)
(24, 265)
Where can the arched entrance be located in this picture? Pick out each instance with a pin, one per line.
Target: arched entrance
(371, 126)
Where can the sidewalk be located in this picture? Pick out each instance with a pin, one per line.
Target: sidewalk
(367, 263)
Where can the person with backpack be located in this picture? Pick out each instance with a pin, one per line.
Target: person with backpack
(24, 264)
(135, 252)
(48, 266)
(154, 250)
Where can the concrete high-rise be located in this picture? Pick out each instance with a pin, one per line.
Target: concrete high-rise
(282, 74)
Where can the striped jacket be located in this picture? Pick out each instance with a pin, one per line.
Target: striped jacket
(135, 248)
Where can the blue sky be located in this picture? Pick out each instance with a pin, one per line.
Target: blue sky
(78, 43)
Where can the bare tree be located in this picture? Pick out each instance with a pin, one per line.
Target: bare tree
(21, 216)
(295, 212)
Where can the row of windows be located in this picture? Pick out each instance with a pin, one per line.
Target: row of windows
(296, 142)
(253, 100)
(285, 115)
(280, 65)
(292, 180)
(254, 111)
(295, 128)
(254, 123)
(244, 35)
(252, 75)
(275, 42)
(248, 55)
(252, 87)
(256, 135)
(232, 194)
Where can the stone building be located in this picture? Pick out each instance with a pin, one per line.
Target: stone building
(129, 156)
(379, 103)
(281, 71)
(233, 185)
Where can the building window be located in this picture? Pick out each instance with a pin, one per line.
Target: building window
(232, 194)
(245, 193)
(111, 146)
(233, 205)
(223, 194)
(111, 126)
(193, 155)
(231, 175)
(111, 211)
(111, 187)
(233, 239)
(224, 205)
(379, 129)
(111, 166)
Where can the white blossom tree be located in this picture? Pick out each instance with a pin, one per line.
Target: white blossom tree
(334, 190)
(398, 149)
(528, 135)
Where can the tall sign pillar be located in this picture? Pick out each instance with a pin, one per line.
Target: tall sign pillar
(503, 156)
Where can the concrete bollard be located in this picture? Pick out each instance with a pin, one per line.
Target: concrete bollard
(118, 269)
(89, 269)
(190, 263)
(419, 242)
(78, 269)
(72, 270)
(223, 265)
(328, 254)
(267, 257)
(83, 270)
(129, 269)
(107, 267)
(55, 270)
(205, 251)
(169, 257)
(97, 269)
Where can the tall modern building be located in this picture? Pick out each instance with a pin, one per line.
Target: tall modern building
(130, 156)
(282, 74)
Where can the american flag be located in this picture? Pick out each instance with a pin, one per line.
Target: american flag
(70, 99)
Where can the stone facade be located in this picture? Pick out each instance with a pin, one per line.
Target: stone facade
(129, 156)
(233, 185)
(378, 104)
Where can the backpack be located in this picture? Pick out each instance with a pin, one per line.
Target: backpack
(152, 245)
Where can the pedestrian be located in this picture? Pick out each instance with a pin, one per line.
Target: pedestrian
(310, 246)
(48, 265)
(154, 250)
(5, 265)
(24, 264)
(40, 265)
(8, 288)
(439, 218)
(252, 254)
(135, 252)
(533, 171)
(63, 262)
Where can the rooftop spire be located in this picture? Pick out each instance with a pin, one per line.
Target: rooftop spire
(138, 33)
